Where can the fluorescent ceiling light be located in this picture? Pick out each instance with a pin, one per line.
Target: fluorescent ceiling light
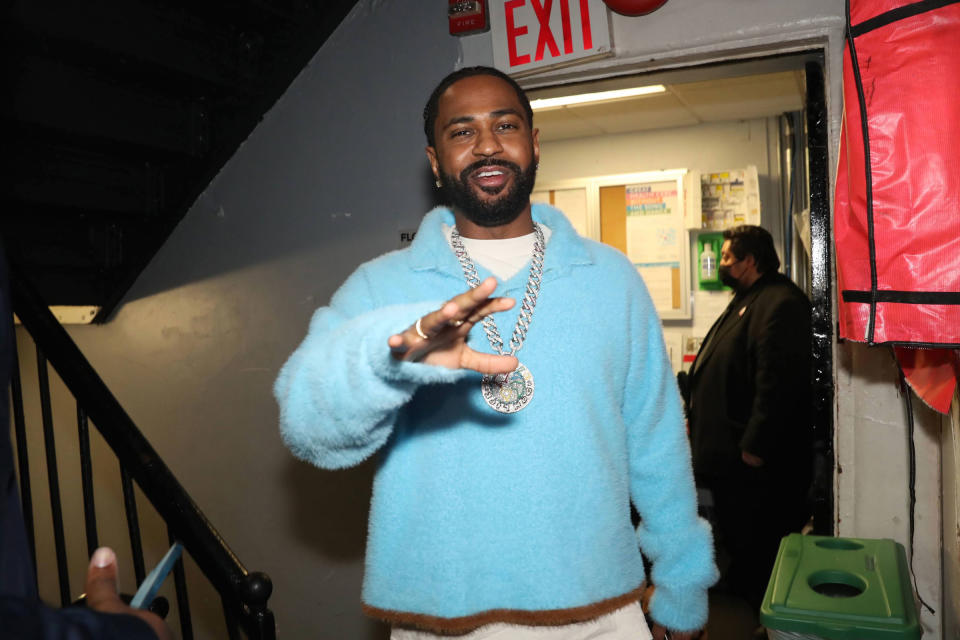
(601, 96)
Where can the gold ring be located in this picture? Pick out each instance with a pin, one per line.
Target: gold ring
(419, 330)
(457, 323)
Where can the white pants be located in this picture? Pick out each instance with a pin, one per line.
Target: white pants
(627, 623)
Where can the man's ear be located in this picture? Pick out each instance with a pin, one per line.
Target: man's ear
(434, 166)
(536, 146)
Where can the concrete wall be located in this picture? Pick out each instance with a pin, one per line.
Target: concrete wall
(951, 516)
(326, 181)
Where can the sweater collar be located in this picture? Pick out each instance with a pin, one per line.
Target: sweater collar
(565, 249)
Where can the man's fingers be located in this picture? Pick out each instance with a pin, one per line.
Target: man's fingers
(101, 588)
(101, 582)
(491, 306)
(487, 363)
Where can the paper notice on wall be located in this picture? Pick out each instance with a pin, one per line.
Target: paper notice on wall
(730, 198)
(652, 222)
(661, 280)
(654, 225)
(691, 347)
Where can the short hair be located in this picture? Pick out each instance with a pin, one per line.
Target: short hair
(430, 111)
(748, 239)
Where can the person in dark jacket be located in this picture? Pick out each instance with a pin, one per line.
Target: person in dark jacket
(749, 410)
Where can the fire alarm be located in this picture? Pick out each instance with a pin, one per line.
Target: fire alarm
(635, 7)
(467, 16)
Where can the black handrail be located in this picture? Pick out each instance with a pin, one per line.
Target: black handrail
(185, 520)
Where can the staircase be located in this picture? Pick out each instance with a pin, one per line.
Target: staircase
(122, 111)
(119, 113)
(243, 594)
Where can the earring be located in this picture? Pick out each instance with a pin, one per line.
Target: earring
(438, 183)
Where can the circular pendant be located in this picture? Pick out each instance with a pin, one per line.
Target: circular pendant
(508, 393)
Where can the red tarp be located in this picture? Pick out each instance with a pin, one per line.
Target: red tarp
(897, 219)
(897, 209)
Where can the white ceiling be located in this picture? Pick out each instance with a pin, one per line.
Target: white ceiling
(683, 104)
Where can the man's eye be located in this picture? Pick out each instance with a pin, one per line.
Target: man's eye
(459, 133)
(507, 125)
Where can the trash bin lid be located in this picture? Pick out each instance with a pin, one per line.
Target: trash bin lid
(841, 589)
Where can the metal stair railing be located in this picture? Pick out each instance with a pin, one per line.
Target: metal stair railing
(244, 594)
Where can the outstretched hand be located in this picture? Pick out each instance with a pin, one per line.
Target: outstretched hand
(446, 331)
(101, 592)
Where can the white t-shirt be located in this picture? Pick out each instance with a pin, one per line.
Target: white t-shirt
(503, 258)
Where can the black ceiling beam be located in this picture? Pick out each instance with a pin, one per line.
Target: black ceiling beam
(55, 95)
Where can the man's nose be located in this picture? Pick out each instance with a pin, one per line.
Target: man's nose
(487, 143)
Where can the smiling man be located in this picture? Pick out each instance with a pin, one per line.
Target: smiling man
(511, 438)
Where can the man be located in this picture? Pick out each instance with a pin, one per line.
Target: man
(509, 451)
(749, 410)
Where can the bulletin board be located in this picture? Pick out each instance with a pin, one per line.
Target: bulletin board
(642, 215)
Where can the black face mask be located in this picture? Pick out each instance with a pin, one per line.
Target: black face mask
(727, 279)
(500, 211)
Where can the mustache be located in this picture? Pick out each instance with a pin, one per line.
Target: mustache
(496, 162)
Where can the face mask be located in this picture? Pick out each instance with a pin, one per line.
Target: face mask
(728, 279)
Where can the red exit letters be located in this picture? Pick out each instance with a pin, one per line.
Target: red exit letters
(546, 37)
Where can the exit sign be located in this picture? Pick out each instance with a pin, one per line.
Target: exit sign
(535, 34)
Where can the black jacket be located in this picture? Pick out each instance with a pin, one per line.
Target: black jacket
(749, 387)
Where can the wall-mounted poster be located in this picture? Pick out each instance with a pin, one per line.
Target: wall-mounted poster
(653, 238)
(641, 214)
(730, 198)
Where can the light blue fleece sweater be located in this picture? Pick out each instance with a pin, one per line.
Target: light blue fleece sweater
(475, 512)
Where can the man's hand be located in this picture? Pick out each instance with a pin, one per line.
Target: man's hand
(446, 330)
(750, 459)
(660, 633)
(101, 588)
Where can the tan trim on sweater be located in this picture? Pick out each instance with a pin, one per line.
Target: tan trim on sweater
(466, 624)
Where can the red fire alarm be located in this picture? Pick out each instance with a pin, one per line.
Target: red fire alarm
(467, 16)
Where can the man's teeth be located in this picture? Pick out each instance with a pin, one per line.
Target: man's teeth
(487, 174)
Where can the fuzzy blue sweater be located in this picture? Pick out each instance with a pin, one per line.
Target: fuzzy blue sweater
(479, 516)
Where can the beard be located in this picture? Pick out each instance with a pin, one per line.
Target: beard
(461, 196)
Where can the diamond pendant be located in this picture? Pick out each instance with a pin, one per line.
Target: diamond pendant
(508, 393)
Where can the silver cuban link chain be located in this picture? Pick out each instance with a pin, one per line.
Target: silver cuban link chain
(511, 392)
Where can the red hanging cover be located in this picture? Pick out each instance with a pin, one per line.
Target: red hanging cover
(897, 209)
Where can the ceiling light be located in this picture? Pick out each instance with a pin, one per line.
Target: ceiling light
(601, 96)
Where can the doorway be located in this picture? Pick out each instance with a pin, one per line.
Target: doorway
(708, 122)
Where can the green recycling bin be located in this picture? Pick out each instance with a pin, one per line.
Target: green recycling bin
(839, 589)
